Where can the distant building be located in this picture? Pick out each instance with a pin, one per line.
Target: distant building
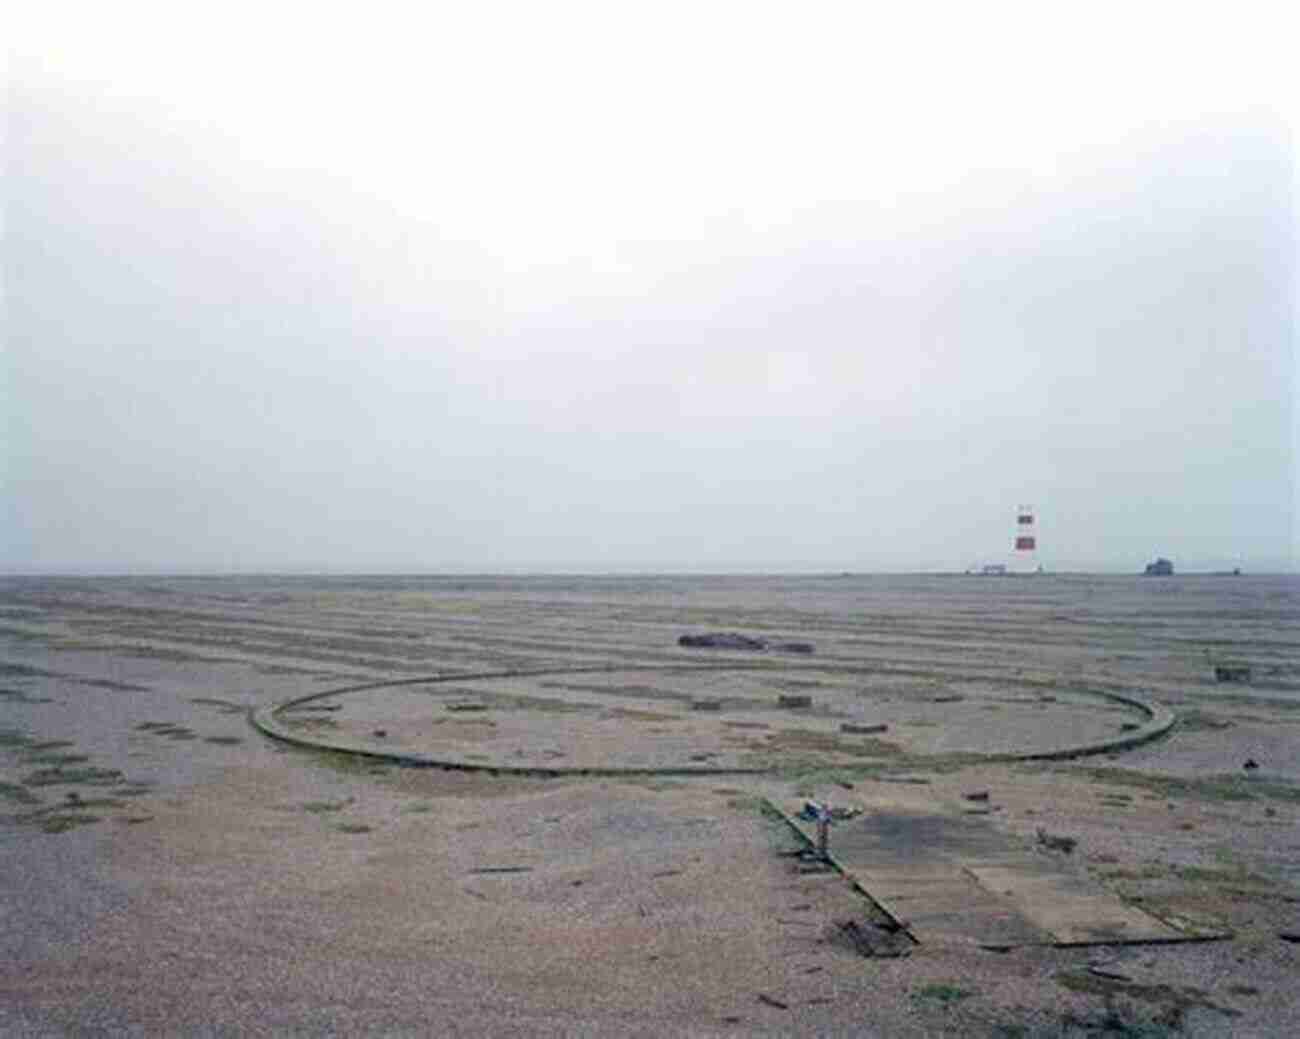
(1160, 568)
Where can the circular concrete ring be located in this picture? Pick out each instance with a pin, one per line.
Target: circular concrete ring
(1160, 720)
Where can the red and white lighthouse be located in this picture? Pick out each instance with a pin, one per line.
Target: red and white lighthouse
(1024, 559)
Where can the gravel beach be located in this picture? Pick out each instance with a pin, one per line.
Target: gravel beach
(168, 870)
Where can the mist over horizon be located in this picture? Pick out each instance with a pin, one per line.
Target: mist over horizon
(583, 291)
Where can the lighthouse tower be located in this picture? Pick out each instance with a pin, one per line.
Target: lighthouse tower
(1024, 559)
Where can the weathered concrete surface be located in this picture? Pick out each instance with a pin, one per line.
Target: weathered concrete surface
(949, 877)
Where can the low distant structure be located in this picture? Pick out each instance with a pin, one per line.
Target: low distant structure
(734, 640)
(1160, 568)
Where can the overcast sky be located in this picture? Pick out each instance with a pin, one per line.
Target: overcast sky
(602, 286)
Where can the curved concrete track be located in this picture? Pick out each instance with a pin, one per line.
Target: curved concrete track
(530, 716)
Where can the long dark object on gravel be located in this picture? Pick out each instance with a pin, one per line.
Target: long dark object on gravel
(503, 869)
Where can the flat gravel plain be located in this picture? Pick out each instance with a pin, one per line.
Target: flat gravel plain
(166, 869)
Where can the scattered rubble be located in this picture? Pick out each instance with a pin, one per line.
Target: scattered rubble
(872, 940)
(749, 643)
(1055, 842)
(858, 729)
(722, 640)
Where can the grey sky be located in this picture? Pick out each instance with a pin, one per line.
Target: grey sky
(699, 287)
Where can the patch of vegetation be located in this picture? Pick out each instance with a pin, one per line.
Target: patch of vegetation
(456, 720)
(1228, 875)
(136, 789)
(1202, 721)
(752, 803)
(60, 776)
(832, 743)
(647, 692)
(639, 716)
(318, 807)
(67, 815)
(1246, 700)
(353, 827)
(162, 728)
(1175, 1001)
(784, 838)
(943, 993)
(224, 741)
(175, 656)
(1141, 873)
(224, 706)
(50, 745)
(809, 776)
(13, 738)
(649, 782)
(1111, 1022)
(56, 759)
(62, 822)
(1224, 786)
(308, 724)
(19, 696)
(18, 794)
(339, 761)
(547, 705)
(417, 807)
(23, 671)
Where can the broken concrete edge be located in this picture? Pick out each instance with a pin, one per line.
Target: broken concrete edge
(774, 810)
(1160, 720)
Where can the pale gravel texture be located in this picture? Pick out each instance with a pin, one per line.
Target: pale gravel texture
(241, 907)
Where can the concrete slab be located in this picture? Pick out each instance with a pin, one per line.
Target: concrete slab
(950, 877)
(1072, 910)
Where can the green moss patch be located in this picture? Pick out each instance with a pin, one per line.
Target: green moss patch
(17, 794)
(1225, 786)
(943, 993)
(60, 776)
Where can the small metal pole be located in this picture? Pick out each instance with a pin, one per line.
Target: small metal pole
(824, 832)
